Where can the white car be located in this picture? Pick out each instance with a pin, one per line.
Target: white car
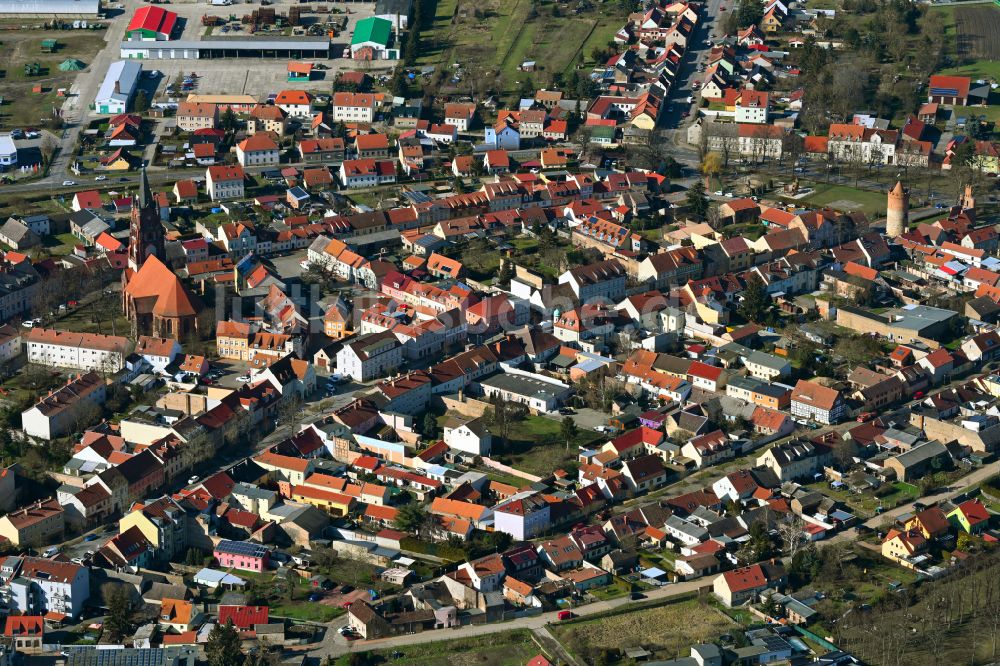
(242, 379)
(728, 195)
(69, 183)
(717, 193)
(99, 178)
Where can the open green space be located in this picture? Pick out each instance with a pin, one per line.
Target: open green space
(490, 38)
(506, 648)
(537, 447)
(872, 203)
(866, 503)
(22, 106)
(977, 69)
(667, 630)
(306, 610)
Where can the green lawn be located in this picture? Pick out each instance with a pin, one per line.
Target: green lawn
(306, 610)
(537, 447)
(507, 648)
(977, 69)
(872, 203)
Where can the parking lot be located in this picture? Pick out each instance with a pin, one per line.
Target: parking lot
(255, 76)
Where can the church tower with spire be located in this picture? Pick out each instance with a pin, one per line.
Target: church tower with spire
(147, 234)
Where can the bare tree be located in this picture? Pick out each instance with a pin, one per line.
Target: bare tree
(48, 148)
(792, 535)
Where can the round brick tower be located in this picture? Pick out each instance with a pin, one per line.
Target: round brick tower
(897, 211)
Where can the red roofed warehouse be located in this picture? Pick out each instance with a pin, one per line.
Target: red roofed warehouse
(150, 24)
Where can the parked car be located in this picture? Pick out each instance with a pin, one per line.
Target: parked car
(565, 615)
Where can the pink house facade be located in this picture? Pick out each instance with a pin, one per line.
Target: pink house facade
(242, 555)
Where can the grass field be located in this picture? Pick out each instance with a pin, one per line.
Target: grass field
(508, 648)
(21, 106)
(497, 37)
(667, 631)
(536, 446)
(872, 203)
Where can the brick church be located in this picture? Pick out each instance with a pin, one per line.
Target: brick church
(153, 298)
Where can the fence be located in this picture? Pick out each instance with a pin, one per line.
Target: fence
(500, 467)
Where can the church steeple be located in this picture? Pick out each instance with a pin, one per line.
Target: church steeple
(145, 194)
(146, 235)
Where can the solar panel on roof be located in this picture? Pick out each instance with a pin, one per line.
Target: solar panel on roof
(241, 548)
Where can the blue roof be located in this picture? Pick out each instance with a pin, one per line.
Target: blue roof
(653, 572)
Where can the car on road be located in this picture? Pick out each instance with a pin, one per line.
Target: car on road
(565, 615)
(99, 178)
(17, 134)
(69, 183)
(90, 537)
(717, 193)
(566, 411)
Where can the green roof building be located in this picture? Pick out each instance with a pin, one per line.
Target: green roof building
(371, 39)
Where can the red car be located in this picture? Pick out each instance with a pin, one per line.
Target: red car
(565, 615)
(918, 395)
(867, 416)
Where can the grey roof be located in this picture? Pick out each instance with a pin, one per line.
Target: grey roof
(237, 44)
(16, 231)
(691, 529)
(91, 656)
(922, 453)
(254, 492)
(126, 74)
(522, 385)
(767, 360)
(918, 317)
(70, 7)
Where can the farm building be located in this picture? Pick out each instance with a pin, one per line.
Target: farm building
(119, 87)
(371, 40)
(8, 151)
(150, 24)
(46, 8)
(299, 72)
(286, 48)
